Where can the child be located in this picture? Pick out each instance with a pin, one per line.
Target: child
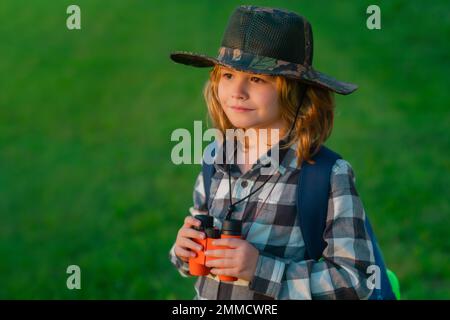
(263, 79)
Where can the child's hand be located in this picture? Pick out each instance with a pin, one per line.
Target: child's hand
(237, 261)
(184, 244)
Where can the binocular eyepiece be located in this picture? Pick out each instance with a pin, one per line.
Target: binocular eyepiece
(230, 229)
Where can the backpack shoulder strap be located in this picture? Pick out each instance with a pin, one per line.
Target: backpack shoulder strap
(312, 200)
(208, 171)
(312, 205)
(385, 290)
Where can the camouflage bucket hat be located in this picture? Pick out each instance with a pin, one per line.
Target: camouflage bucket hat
(267, 41)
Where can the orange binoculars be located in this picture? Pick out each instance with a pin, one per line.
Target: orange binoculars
(230, 229)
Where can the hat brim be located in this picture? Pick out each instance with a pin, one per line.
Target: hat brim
(236, 59)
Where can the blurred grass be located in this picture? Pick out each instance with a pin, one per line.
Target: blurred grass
(86, 118)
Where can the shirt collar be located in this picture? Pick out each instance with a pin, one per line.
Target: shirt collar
(287, 158)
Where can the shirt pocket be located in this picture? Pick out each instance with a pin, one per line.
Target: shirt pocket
(265, 213)
(273, 202)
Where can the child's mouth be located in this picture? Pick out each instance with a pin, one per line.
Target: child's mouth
(240, 109)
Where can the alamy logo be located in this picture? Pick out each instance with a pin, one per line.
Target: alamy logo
(74, 280)
(236, 139)
(374, 280)
(374, 20)
(74, 20)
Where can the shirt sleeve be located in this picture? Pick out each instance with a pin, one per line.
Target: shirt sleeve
(199, 203)
(342, 272)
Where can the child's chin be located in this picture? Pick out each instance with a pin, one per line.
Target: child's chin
(244, 124)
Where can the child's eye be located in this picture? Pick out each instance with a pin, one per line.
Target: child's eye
(256, 79)
(227, 75)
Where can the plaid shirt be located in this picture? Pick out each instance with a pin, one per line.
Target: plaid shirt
(271, 223)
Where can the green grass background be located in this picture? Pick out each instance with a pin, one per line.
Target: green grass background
(86, 118)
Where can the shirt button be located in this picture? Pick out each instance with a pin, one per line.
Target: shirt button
(244, 184)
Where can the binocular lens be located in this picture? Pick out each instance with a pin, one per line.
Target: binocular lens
(207, 221)
(232, 227)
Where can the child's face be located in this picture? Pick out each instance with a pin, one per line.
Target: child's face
(256, 93)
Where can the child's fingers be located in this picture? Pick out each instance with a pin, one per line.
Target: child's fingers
(220, 263)
(229, 242)
(225, 253)
(188, 243)
(183, 253)
(190, 221)
(191, 233)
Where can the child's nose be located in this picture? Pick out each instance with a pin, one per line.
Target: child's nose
(239, 90)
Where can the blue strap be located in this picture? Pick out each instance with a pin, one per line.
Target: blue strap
(312, 200)
(312, 206)
(208, 171)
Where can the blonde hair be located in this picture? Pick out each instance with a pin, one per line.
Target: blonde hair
(314, 121)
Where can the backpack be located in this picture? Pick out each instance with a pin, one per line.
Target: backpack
(312, 203)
